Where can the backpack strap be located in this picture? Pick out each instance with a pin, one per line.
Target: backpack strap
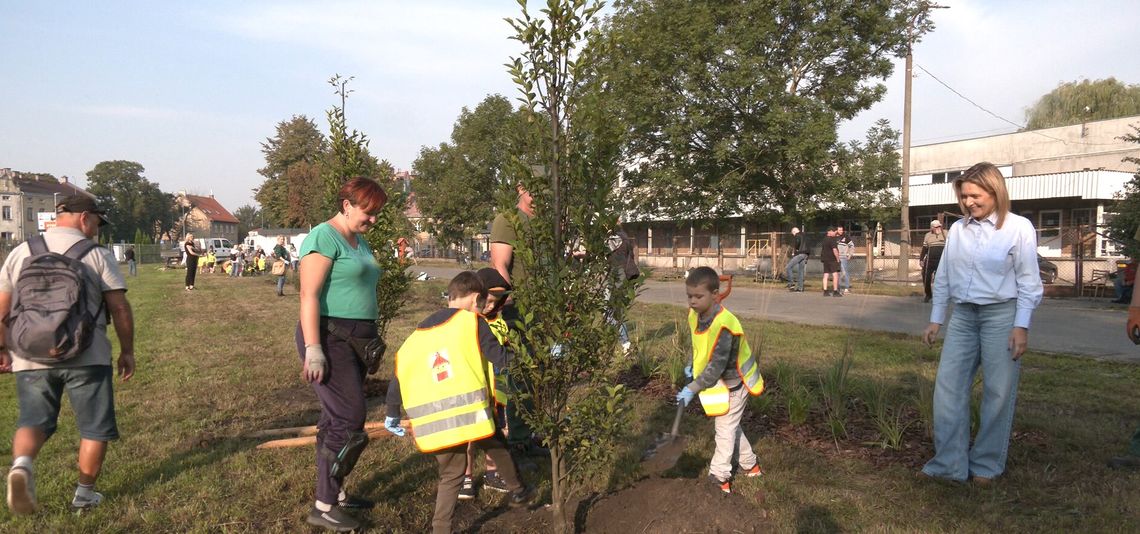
(37, 245)
(79, 249)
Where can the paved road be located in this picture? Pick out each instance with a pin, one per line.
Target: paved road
(1070, 326)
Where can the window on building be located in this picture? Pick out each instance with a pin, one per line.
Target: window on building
(7, 213)
(1049, 223)
(31, 214)
(950, 176)
(6, 236)
(938, 178)
(1081, 217)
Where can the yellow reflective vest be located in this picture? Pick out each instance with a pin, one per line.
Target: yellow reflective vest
(444, 384)
(499, 328)
(715, 399)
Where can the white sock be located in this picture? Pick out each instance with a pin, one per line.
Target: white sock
(84, 492)
(24, 462)
(342, 496)
(324, 507)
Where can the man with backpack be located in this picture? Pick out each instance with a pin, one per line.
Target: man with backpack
(56, 294)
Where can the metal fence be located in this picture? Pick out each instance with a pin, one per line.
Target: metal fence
(1080, 258)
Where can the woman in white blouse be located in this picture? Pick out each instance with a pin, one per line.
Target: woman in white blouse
(989, 271)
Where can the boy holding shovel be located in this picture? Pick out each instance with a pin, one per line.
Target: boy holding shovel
(726, 373)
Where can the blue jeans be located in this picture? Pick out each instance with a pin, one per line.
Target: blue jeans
(235, 269)
(844, 281)
(977, 337)
(281, 285)
(132, 268)
(798, 263)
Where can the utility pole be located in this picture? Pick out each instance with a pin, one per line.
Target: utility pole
(920, 17)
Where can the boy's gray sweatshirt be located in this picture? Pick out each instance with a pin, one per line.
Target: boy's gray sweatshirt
(722, 363)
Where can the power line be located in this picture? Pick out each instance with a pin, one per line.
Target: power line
(999, 117)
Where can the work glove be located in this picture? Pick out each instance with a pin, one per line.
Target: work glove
(392, 424)
(1134, 324)
(685, 396)
(315, 363)
(557, 350)
(689, 371)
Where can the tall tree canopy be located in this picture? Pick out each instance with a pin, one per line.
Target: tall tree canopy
(1122, 227)
(731, 107)
(134, 204)
(455, 181)
(292, 193)
(1077, 102)
(249, 217)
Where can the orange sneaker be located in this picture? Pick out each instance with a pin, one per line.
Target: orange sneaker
(724, 486)
(754, 472)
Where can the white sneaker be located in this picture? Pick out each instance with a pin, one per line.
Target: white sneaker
(21, 491)
(79, 504)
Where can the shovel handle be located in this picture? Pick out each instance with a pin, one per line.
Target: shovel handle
(677, 420)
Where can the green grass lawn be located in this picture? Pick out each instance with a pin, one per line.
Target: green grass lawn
(219, 362)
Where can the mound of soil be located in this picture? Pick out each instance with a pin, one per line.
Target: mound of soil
(675, 505)
(652, 505)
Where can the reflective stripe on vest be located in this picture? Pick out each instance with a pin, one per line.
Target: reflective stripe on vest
(714, 400)
(444, 384)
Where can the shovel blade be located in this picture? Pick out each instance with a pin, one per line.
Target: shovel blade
(664, 455)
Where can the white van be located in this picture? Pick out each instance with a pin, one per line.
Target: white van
(221, 246)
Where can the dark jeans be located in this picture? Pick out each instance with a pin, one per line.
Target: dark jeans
(796, 266)
(342, 398)
(452, 465)
(518, 430)
(191, 269)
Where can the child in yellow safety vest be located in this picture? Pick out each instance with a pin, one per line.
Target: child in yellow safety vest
(725, 373)
(211, 260)
(497, 290)
(443, 384)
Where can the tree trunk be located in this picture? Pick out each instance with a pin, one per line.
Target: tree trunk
(558, 492)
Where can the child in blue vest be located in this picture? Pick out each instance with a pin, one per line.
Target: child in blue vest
(725, 373)
(435, 355)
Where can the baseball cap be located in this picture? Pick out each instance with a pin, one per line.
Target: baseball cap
(493, 281)
(935, 223)
(80, 204)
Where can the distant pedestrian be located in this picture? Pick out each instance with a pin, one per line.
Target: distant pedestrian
(797, 266)
(989, 271)
(829, 255)
(846, 248)
(192, 253)
(932, 245)
(280, 261)
(129, 255)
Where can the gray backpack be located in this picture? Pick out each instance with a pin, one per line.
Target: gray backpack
(51, 319)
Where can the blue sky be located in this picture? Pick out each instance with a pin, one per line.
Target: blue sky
(191, 89)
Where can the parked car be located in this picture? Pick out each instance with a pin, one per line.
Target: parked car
(220, 245)
(1048, 270)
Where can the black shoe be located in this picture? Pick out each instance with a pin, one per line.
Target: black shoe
(356, 503)
(467, 491)
(522, 496)
(335, 519)
(1120, 301)
(837, 293)
(493, 481)
(827, 292)
(1125, 462)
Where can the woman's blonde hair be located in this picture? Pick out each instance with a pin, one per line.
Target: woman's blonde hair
(189, 237)
(986, 176)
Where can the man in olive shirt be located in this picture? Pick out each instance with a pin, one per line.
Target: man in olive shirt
(503, 242)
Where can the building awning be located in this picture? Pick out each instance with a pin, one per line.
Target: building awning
(1087, 185)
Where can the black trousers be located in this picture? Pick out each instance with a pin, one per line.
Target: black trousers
(341, 394)
(191, 269)
(933, 257)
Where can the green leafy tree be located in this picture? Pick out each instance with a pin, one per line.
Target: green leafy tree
(454, 180)
(1126, 218)
(864, 172)
(348, 157)
(248, 218)
(293, 187)
(731, 107)
(1077, 102)
(569, 396)
(133, 202)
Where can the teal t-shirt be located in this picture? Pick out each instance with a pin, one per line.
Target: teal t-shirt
(349, 291)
